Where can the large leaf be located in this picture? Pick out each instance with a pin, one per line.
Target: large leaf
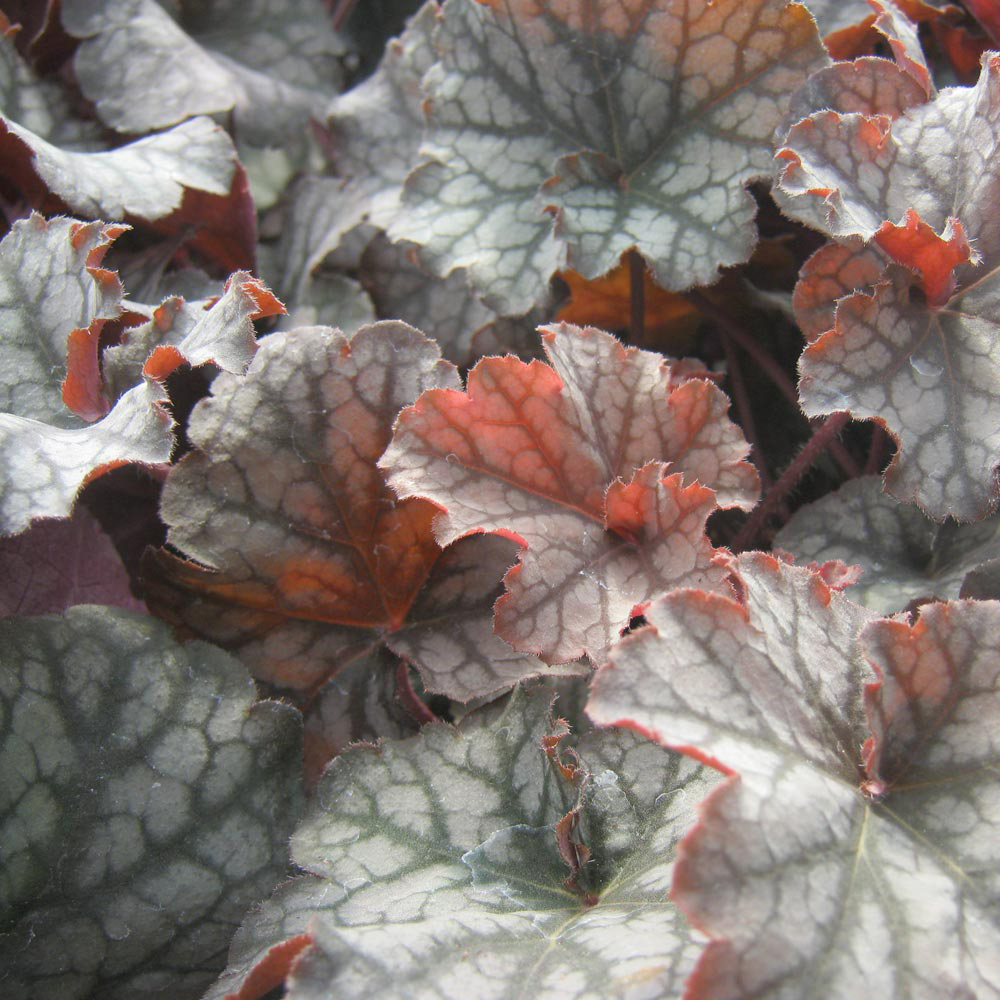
(836, 863)
(436, 868)
(54, 297)
(591, 465)
(634, 124)
(302, 557)
(904, 554)
(145, 802)
(914, 351)
(273, 64)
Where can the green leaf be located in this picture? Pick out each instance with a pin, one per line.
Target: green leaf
(145, 802)
(635, 124)
(437, 869)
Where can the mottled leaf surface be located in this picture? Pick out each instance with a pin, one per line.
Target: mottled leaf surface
(915, 351)
(591, 464)
(904, 554)
(54, 299)
(145, 803)
(273, 64)
(435, 870)
(463, 325)
(839, 859)
(633, 123)
(376, 127)
(298, 554)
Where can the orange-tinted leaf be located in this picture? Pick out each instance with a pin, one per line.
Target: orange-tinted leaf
(911, 348)
(670, 318)
(299, 556)
(833, 272)
(916, 246)
(576, 462)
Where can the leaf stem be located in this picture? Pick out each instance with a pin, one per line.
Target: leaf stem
(341, 12)
(730, 327)
(637, 297)
(411, 702)
(820, 441)
(768, 365)
(876, 450)
(742, 400)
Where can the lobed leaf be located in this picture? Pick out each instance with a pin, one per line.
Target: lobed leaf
(143, 775)
(905, 556)
(435, 869)
(632, 124)
(591, 465)
(303, 558)
(818, 867)
(54, 299)
(912, 349)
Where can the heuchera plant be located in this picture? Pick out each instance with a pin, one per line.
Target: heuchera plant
(497, 499)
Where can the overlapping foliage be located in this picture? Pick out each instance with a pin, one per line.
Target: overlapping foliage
(434, 366)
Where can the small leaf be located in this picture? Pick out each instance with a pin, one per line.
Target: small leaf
(434, 861)
(567, 460)
(670, 320)
(146, 776)
(632, 125)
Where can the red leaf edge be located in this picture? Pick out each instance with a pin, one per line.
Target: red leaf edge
(272, 969)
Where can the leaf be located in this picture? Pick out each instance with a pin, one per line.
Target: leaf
(219, 331)
(298, 556)
(434, 862)
(905, 555)
(832, 273)
(376, 127)
(274, 65)
(582, 463)
(40, 105)
(143, 775)
(464, 326)
(55, 564)
(145, 179)
(913, 350)
(632, 125)
(821, 868)
(55, 296)
(669, 319)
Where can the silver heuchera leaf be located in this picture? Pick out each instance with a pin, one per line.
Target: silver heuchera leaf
(437, 872)
(905, 555)
(145, 802)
